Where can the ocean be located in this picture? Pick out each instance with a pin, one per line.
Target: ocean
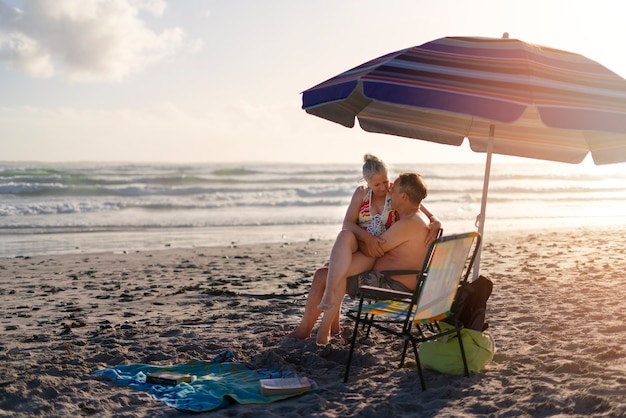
(61, 208)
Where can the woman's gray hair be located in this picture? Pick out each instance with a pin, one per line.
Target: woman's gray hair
(373, 165)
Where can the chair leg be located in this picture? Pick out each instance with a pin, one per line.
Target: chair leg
(368, 323)
(418, 365)
(404, 349)
(458, 336)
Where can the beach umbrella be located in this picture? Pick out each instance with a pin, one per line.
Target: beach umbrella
(506, 96)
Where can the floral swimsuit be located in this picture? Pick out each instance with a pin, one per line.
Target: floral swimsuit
(378, 223)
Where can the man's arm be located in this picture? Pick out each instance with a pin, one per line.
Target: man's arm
(404, 248)
(396, 235)
(408, 230)
(393, 237)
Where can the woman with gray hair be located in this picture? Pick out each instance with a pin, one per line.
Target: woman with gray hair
(369, 214)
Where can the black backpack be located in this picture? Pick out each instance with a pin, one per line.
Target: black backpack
(470, 304)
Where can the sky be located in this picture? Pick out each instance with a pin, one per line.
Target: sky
(221, 81)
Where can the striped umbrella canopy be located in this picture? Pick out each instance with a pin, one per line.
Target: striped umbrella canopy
(506, 96)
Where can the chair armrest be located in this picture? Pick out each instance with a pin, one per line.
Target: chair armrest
(372, 292)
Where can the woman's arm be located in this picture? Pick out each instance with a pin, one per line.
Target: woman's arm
(433, 227)
(369, 244)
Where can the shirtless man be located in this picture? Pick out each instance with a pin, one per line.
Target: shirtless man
(404, 248)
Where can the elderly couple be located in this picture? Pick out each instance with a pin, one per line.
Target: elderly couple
(385, 228)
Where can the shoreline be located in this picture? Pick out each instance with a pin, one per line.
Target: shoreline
(555, 315)
(125, 241)
(16, 244)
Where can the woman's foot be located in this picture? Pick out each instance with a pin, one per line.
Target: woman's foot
(325, 306)
(299, 334)
(326, 303)
(332, 337)
(322, 338)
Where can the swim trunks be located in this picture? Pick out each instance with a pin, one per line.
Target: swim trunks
(373, 278)
(378, 223)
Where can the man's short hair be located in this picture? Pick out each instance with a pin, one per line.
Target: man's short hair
(414, 186)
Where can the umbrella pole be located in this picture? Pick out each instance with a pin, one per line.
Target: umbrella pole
(480, 220)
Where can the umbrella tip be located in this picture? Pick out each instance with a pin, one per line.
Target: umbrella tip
(505, 35)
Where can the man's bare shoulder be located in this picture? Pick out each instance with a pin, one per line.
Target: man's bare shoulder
(408, 228)
(415, 220)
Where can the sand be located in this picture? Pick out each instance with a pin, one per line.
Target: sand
(556, 314)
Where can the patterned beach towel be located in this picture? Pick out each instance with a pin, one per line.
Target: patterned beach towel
(215, 384)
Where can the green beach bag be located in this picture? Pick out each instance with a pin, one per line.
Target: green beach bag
(444, 354)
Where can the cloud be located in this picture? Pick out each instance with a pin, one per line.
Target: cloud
(84, 40)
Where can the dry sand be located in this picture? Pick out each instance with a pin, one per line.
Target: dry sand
(556, 314)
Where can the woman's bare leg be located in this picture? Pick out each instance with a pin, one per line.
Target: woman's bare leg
(360, 263)
(330, 316)
(340, 260)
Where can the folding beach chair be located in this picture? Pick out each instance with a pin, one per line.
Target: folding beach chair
(414, 317)
(367, 325)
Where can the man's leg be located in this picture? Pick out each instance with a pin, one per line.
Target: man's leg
(311, 313)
